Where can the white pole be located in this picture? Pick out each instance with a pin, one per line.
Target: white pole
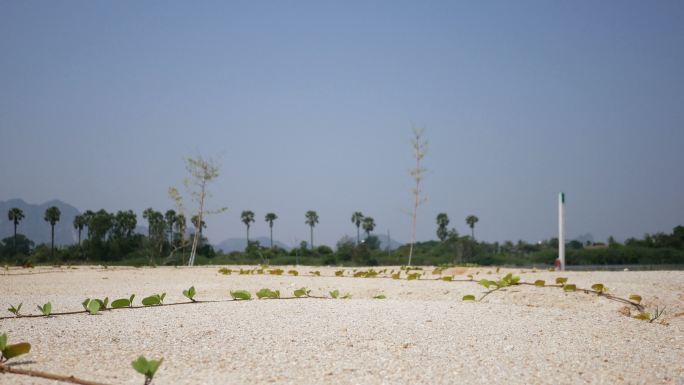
(561, 230)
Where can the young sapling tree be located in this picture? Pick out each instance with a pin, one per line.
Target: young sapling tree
(15, 310)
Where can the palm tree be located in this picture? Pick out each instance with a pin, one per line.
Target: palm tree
(368, 225)
(247, 217)
(15, 215)
(471, 220)
(149, 215)
(311, 220)
(79, 224)
(270, 217)
(356, 219)
(170, 217)
(195, 222)
(442, 223)
(52, 215)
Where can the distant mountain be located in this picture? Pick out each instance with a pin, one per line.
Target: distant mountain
(239, 244)
(34, 227)
(384, 239)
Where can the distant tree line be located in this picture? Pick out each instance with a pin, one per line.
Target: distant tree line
(110, 238)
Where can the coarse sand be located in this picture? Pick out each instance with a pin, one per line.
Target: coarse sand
(423, 333)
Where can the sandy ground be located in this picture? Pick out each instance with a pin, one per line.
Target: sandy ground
(423, 333)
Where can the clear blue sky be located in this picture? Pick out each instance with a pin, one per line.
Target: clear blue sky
(310, 104)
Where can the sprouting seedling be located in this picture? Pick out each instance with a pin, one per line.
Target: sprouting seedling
(650, 317)
(335, 294)
(468, 297)
(540, 283)
(46, 309)
(293, 272)
(241, 295)
(15, 310)
(123, 302)
(339, 273)
(380, 296)
(569, 287)
(396, 275)
(146, 367)
(599, 288)
(276, 271)
(268, 293)
(448, 278)
(413, 276)
(360, 274)
(470, 277)
(561, 280)
(190, 293)
(346, 296)
(635, 297)
(303, 292)
(225, 271)
(316, 273)
(10, 351)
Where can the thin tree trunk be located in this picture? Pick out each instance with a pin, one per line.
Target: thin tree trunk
(15, 238)
(193, 251)
(247, 235)
(271, 236)
(358, 236)
(472, 232)
(52, 249)
(312, 245)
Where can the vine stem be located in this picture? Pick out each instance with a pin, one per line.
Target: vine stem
(49, 376)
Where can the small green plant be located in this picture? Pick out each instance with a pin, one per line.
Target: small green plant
(412, 276)
(146, 367)
(276, 271)
(190, 293)
(346, 296)
(293, 272)
(380, 296)
(315, 273)
(371, 274)
(92, 306)
(540, 283)
(268, 294)
(154, 300)
(303, 292)
(468, 297)
(650, 317)
(561, 280)
(470, 276)
(241, 295)
(123, 302)
(339, 273)
(599, 288)
(15, 310)
(225, 271)
(569, 287)
(46, 309)
(360, 274)
(335, 294)
(396, 275)
(10, 351)
(448, 278)
(635, 297)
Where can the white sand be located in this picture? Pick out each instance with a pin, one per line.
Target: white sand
(422, 334)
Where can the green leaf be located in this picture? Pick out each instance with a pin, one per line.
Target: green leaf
(3, 341)
(190, 293)
(93, 307)
(161, 297)
(241, 295)
(570, 287)
(643, 316)
(380, 296)
(293, 272)
(45, 309)
(11, 351)
(486, 283)
(539, 283)
(396, 275)
(335, 294)
(448, 278)
(339, 273)
(131, 299)
(598, 287)
(346, 296)
(268, 293)
(85, 303)
(151, 300)
(561, 280)
(315, 273)
(469, 297)
(412, 276)
(276, 272)
(103, 304)
(119, 303)
(635, 297)
(145, 367)
(302, 292)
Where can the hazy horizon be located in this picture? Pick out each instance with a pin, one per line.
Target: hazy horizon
(310, 105)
